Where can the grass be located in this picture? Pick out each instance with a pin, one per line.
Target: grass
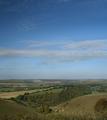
(8, 95)
(87, 107)
(80, 106)
(9, 110)
(11, 107)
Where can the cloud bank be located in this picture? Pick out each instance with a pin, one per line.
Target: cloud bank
(61, 51)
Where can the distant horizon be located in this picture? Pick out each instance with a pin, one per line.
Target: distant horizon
(54, 79)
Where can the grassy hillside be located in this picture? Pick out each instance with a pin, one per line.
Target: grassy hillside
(84, 105)
(50, 98)
(65, 102)
(7, 106)
(10, 110)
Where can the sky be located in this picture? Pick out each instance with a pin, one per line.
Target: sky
(53, 39)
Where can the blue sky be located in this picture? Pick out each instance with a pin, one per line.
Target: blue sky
(54, 39)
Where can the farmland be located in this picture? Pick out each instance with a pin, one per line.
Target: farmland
(56, 100)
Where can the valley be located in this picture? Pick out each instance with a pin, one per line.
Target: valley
(56, 100)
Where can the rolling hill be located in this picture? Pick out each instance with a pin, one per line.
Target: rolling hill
(10, 110)
(84, 105)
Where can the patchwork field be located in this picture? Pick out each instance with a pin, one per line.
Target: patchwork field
(68, 101)
(8, 95)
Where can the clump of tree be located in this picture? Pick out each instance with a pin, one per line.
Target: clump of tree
(44, 101)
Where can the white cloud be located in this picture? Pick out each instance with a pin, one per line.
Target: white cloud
(87, 44)
(63, 51)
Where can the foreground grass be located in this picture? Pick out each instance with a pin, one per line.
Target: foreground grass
(10, 110)
(50, 117)
(69, 103)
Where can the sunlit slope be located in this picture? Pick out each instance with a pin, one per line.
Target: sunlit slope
(81, 105)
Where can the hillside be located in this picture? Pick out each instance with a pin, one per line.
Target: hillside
(9, 110)
(81, 105)
(69, 102)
